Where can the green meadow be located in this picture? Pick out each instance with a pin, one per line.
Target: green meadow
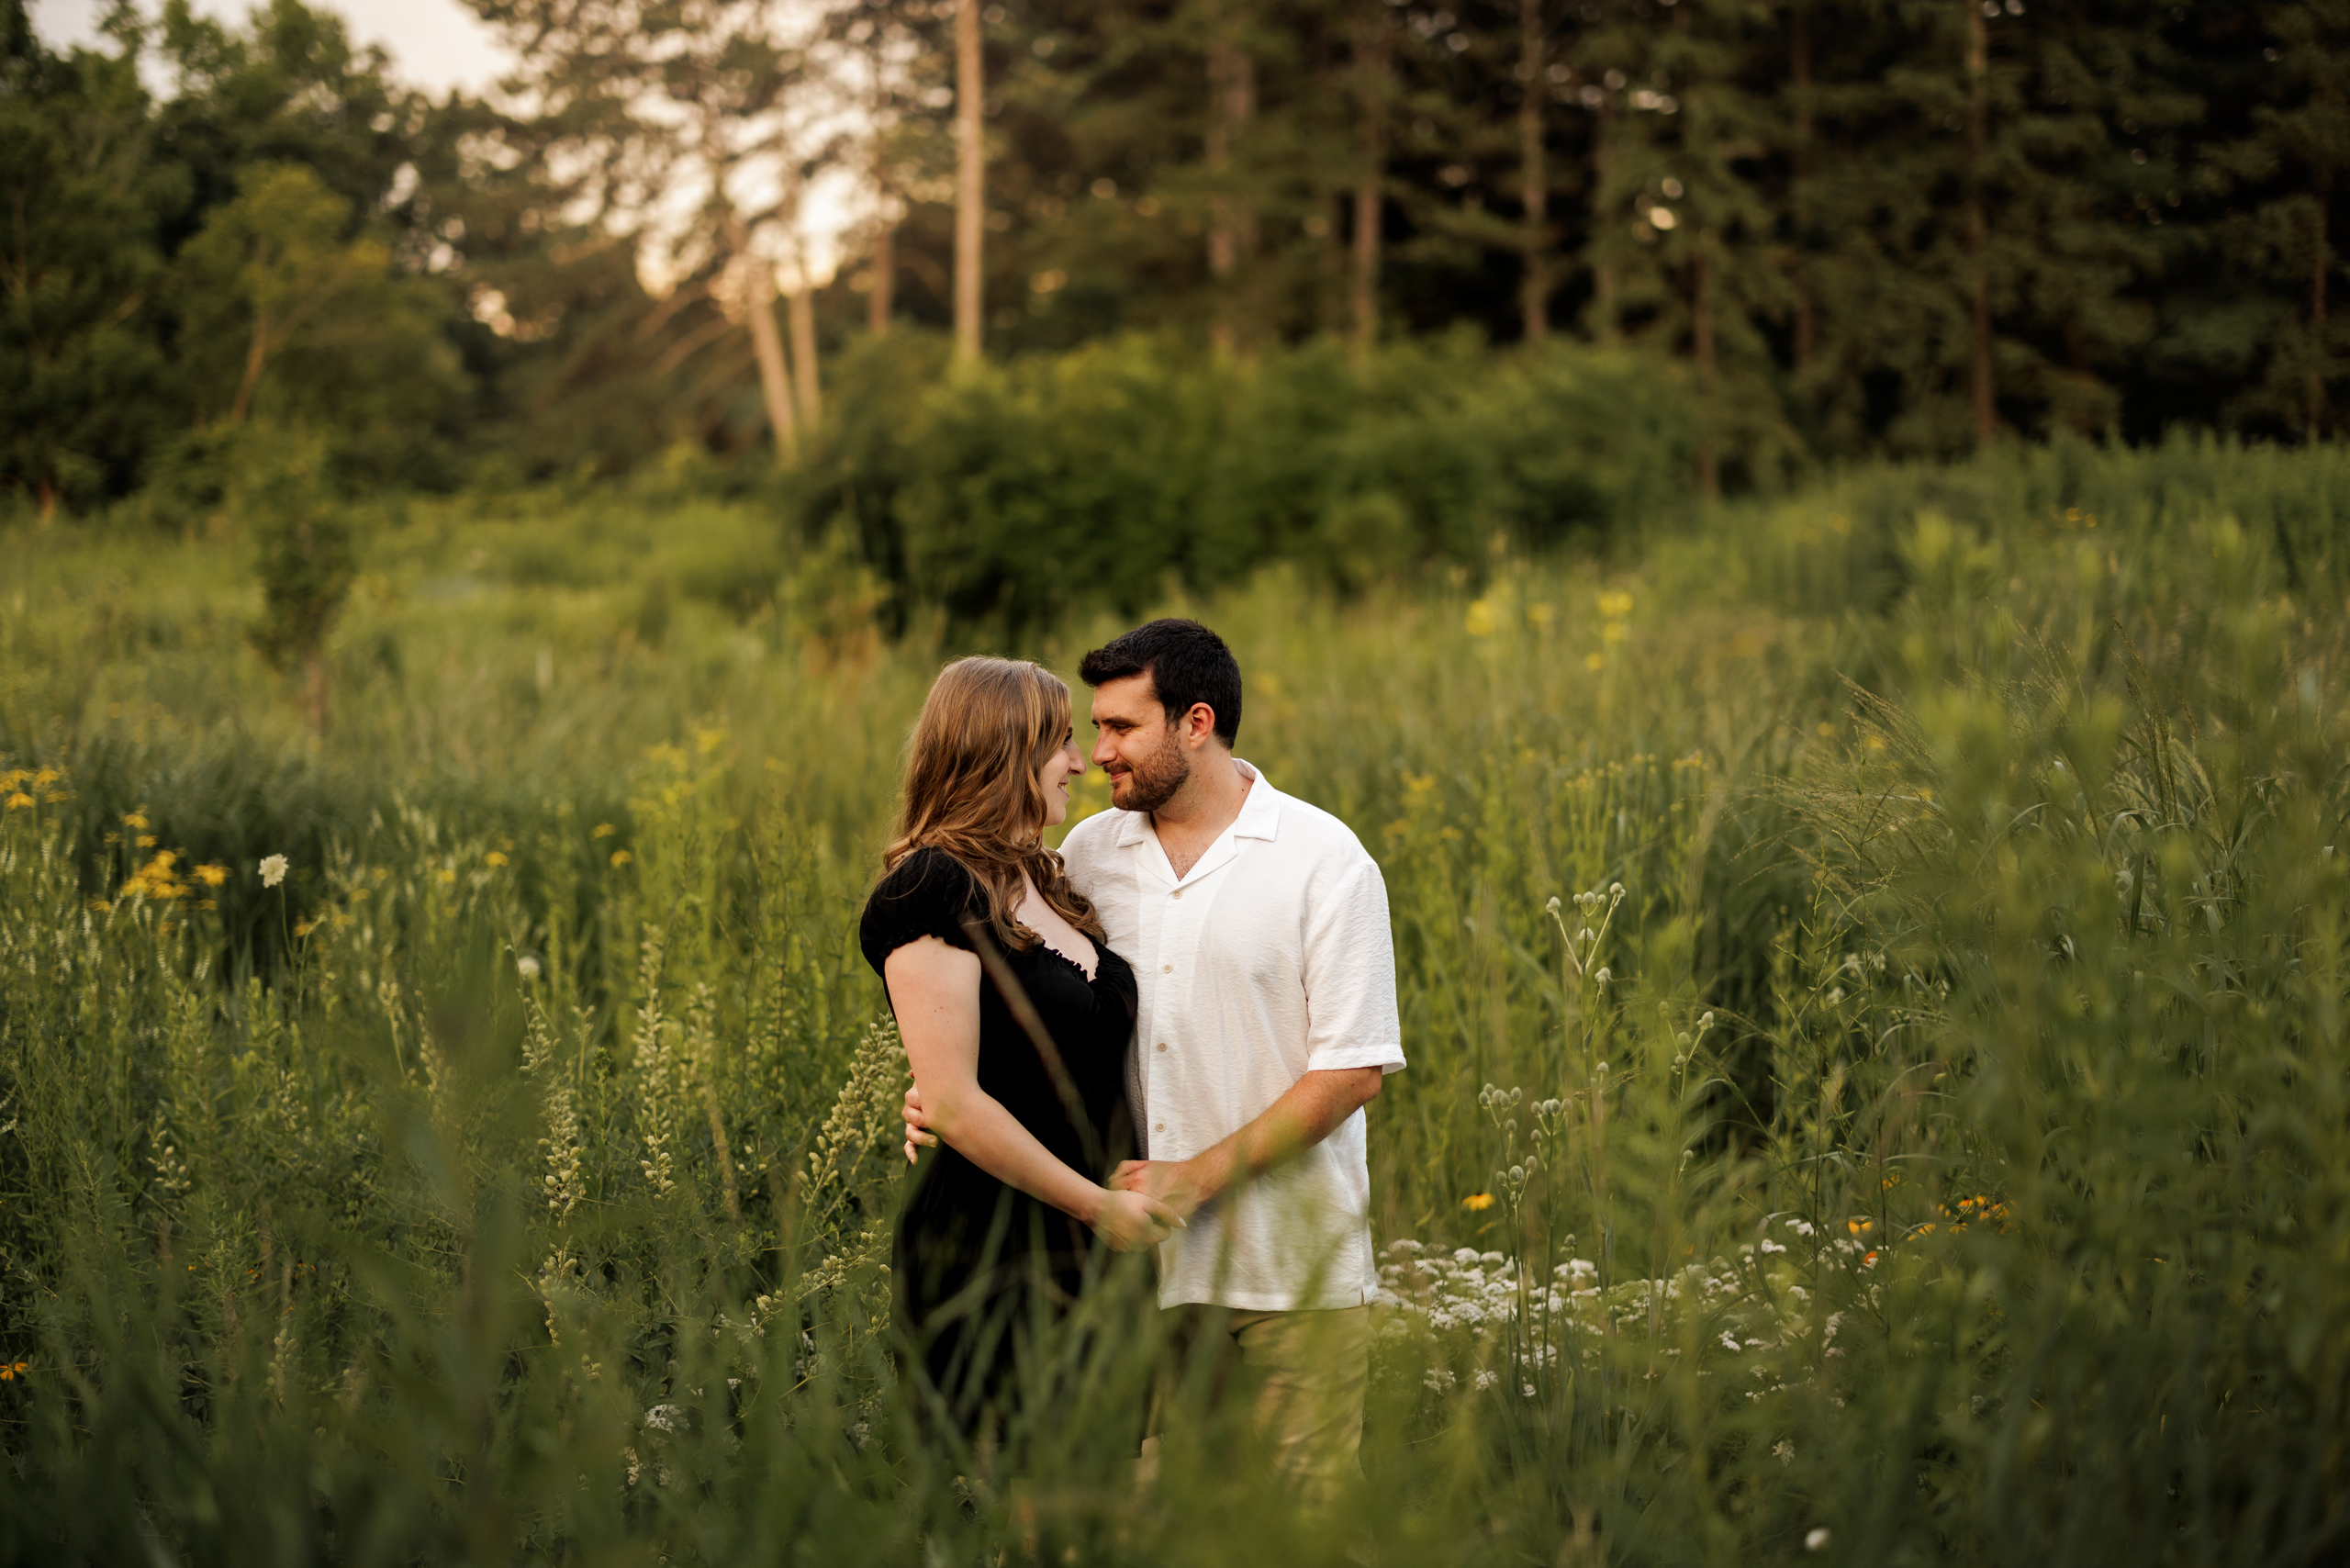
(1872, 964)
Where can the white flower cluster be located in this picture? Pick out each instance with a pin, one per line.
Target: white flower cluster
(1476, 1310)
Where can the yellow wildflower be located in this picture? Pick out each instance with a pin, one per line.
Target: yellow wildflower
(146, 841)
(621, 858)
(212, 875)
(21, 801)
(1477, 1201)
(446, 875)
(1616, 605)
(496, 858)
(1482, 622)
(136, 821)
(1594, 660)
(602, 830)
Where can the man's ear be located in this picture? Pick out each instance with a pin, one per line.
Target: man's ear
(1199, 723)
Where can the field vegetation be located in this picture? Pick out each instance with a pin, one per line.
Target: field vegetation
(1872, 964)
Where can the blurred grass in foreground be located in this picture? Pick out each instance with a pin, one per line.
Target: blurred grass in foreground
(1951, 1159)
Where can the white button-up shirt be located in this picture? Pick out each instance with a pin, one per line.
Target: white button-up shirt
(1270, 960)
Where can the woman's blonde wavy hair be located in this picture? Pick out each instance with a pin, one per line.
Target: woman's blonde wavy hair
(972, 789)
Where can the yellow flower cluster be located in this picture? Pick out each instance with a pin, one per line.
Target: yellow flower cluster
(11, 1371)
(25, 787)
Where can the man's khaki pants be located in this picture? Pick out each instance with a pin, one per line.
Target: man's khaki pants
(1304, 1374)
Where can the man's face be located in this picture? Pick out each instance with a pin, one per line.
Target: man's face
(1140, 751)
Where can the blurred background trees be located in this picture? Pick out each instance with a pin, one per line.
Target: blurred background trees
(1834, 228)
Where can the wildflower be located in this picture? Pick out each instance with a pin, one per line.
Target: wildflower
(273, 870)
(621, 858)
(1604, 975)
(1477, 1201)
(146, 841)
(212, 875)
(602, 830)
(1859, 1227)
(528, 966)
(1815, 1540)
(21, 801)
(1552, 907)
(1594, 660)
(136, 821)
(494, 858)
(1482, 620)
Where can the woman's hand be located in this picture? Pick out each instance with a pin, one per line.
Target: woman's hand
(1129, 1221)
(918, 1133)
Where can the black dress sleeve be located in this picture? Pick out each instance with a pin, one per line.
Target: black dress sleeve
(928, 894)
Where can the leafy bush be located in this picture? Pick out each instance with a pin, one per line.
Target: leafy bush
(1013, 492)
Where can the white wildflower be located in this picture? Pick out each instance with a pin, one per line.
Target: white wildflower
(1817, 1538)
(273, 870)
(527, 966)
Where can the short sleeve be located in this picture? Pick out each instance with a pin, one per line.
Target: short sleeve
(928, 894)
(1350, 976)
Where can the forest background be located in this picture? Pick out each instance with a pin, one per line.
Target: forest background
(1788, 235)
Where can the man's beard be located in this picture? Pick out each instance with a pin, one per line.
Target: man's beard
(1154, 780)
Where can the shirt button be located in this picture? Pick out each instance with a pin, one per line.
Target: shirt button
(1162, 1044)
(1165, 969)
(1177, 893)
(1159, 1127)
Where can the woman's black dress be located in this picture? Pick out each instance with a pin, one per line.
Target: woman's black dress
(978, 1266)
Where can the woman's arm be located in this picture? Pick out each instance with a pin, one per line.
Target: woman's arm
(936, 990)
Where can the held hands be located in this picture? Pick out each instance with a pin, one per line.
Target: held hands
(1169, 1181)
(1130, 1222)
(1129, 1218)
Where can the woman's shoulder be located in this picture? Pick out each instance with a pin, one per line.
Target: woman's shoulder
(926, 893)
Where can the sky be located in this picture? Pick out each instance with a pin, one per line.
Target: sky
(436, 44)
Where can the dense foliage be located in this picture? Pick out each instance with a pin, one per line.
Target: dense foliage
(1903, 922)
(1851, 227)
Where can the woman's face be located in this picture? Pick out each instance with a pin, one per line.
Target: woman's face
(1062, 766)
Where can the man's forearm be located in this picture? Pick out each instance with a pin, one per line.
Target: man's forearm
(1308, 1111)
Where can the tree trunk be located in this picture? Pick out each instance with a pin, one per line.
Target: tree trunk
(883, 269)
(802, 314)
(1232, 104)
(970, 178)
(1603, 273)
(256, 355)
(1372, 65)
(1978, 228)
(1701, 335)
(1534, 177)
(768, 345)
(2318, 269)
(1799, 79)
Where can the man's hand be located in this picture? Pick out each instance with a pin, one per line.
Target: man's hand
(1174, 1182)
(917, 1130)
(1307, 1112)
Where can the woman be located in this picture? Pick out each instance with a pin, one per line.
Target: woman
(1016, 1021)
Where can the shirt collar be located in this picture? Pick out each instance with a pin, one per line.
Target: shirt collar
(1260, 813)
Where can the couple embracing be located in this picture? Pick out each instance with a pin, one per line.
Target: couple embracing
(1160, 1037)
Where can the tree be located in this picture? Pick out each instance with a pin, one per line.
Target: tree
(690, 125)
(970, 178)
(84, 384)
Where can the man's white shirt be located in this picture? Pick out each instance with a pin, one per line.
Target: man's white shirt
(1270, 960)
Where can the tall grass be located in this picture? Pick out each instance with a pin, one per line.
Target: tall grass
(1914, 1133)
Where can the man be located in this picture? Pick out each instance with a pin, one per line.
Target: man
(1257, 925)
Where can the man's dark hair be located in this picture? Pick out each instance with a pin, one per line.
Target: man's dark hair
(1187, 664)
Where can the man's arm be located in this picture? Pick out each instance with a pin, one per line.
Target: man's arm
(1308, 1111)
